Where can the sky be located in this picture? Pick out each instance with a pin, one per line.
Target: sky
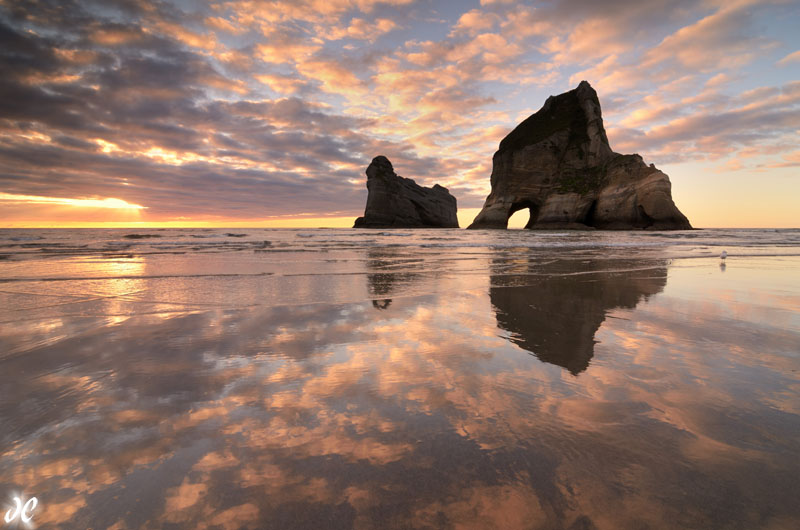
(266, 113)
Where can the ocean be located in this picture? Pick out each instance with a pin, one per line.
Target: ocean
(342, 378)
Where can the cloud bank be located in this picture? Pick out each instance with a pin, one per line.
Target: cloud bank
(250, 110)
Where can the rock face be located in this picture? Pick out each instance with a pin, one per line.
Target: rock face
(559, 165)
(397, 202)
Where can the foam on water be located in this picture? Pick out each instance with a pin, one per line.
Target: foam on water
(49, 252)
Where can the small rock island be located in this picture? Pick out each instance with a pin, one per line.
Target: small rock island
(397, 202)
(558, 164)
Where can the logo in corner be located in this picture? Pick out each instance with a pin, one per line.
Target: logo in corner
(22, 511)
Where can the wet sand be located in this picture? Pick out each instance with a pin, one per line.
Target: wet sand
(503, 389)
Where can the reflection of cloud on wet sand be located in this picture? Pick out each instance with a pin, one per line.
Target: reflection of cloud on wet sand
(341, 416)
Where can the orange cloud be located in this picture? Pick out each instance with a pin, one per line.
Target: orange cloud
(285, 52)
(335, 77)
(282, 84)
(475, 21)
(205, 41)
(224, 24)
(115, 36)
(362, 29)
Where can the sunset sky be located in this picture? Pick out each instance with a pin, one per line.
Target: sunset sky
(251, 113)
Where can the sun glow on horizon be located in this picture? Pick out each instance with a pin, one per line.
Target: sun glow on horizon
(289, 222)
(109, 202)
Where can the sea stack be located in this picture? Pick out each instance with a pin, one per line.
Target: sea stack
(397, 202)
(559, 165)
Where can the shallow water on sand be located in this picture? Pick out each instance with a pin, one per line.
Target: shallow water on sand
(403, 379)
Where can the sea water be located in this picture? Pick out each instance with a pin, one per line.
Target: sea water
(338, 378)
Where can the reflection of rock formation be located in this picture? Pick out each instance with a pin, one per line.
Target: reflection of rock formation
(554, 313)
(384, 278)
(397, 202)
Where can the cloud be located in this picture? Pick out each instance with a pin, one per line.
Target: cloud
(761, 116)
(282, 84)
(791, 58)
(722, 40)
(609, 75)
(116, 35)
(334, 76)
(580, 31)
(655, 111)
(285, 47)
(362, 29)
(205, 41)
(475, 21)
(139, 118)
(789, 160)
(717, 80)
(224, 24)
(258, 103)
(527, 21)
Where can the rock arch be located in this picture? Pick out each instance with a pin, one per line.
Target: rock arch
(558, 162)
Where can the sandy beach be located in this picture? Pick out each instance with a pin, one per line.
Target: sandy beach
(404, 379)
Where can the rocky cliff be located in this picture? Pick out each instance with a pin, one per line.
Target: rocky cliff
(397, 202)
(559, 165)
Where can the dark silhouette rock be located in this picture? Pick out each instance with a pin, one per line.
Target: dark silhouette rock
(397, 202)
(559, 165)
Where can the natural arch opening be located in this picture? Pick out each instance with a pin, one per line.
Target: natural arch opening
(519, 218)
(522, 215)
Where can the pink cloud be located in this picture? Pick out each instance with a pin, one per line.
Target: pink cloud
(793, 57)
(721, 40)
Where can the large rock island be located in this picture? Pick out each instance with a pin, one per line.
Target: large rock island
(559, 165)
(397, 202)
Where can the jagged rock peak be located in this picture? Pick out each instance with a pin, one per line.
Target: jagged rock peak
(397, 202)
(558, 163)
